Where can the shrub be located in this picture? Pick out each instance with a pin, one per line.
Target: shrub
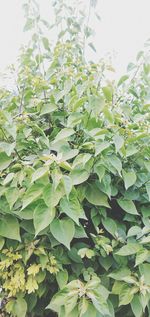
(75, 182)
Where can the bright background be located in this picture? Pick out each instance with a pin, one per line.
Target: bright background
(124, 27)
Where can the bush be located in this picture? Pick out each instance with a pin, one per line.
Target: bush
(75, 182)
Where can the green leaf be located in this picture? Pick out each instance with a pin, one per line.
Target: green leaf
(8, 178)
(144, 270)
(120, 274)
(101, 146)
(42, 217)
(39, 173)
(116, 163)
(12, 195)
(141, 256)
(64, 134)
(7, 147)
(128, 206)
(129, 249)
(63, 231)
(95, 196)
(126, 295)
(53, 195)
(32, 194)
(108, 92)
(133, 231)
(100, 171)
(79, 103)
(20, 307)
(79, 176)
(72, 208)
(2, 241)
(5, 161)
(48, 108)
(58, 300)
(136, 306)
(148, 189)
(129, 178)
(118, 141)
(67, 184)
(62, 278)
(110, 225)
(91, 311)
(9, 227)
(122, 80)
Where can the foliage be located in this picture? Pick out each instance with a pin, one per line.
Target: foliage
(75, 180)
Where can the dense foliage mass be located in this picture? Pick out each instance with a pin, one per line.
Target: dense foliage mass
(75, 181)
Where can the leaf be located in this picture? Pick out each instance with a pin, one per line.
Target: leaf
(58, 300)
(144, 270)
(147, 165)
(128, 206)
(91, 311)
(122, 80)
(148, 189)
(12, 195)
(126, 295)
(39, 173)
(32, 194)
(133, 231)
(118, 141)
(110, 225)
(9, 227)
(8, 178)
(95, 196)
(67, 184)
(64, 134)
(108, 92)
(101, 146)
(53, 195)
(48, 108)
(79, 103)
(63, 231)
(5, 161)
(129, 178)
(42, 217)
(62, 278)
(72, 208)
(2, 241)
(78, 176)
(136, 306)
(7, 147)
(129, 249)
(100, 171)
(141, 256)
(20, 307)
(86, 252)
(116, 163)
(120, 274)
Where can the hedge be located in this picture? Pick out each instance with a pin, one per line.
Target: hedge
(75, 180)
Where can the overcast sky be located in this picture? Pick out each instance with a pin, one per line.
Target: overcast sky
(124, 27)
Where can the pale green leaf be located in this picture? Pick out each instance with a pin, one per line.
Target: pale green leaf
(63, 231)
(42, 217)
(9, 227)
(62, 278)
(128, 206)
(64, 134)
(95, 196)
(39, 173)
(72, 208)
(32, 194)
(5, 161)
(129, 178)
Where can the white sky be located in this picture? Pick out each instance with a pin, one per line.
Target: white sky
(124, 27)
